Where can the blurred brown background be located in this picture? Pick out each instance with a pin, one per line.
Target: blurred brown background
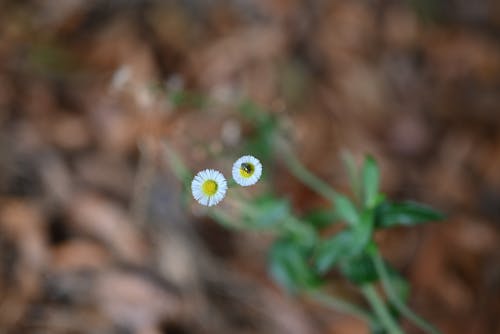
(93, 234)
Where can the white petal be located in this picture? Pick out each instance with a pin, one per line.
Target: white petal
(197, 185)
(247, 181)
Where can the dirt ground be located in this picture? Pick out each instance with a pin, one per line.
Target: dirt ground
(95, 234)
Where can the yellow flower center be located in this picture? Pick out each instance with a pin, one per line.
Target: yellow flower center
(209, 187)
(246, 169)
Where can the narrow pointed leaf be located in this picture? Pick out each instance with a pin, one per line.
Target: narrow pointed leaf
(333, 250)
(346, 210)
(406, 214)
(370, 178)
(288, 266)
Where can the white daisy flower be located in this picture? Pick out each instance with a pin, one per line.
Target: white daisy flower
(209, 187)
(247, 170)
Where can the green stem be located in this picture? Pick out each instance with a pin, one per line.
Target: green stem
(177, 164)
(224, 219)
(394, 297)
(308, 178)
(340, 305)
(380, 309)
(231, 183)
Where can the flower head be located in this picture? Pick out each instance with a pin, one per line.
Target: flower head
(209, 187)
(247, 170)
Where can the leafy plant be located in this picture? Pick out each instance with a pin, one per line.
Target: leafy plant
(304, 253)
(353, 251)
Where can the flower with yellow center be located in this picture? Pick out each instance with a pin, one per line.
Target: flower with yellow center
(247, 170)
(209, 187)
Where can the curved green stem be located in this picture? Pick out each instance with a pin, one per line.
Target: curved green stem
(394, 297)
(175, 162)
(308, 178)
(224, 219)
(340, 305)
(380, 309)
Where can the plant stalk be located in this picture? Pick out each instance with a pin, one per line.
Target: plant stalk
(308, 178)
(394, 297)
(340, 305)
(380, 309)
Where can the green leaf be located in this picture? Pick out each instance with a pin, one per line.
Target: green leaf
(370, 178)
(405, 213)
(359, 270)
(303, 234)
(321, 218)
(346, 210)
(330, 251)
(344, 245)
(352, 172)
(261, 143)
(289, 267)
(265, 125)
(266, 212)
(269, 212)
(363, 231)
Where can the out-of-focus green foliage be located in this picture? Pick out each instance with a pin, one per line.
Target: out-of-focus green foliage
(321, 218)
(346, 210)
(288, 265)
(405, 213)
(370, 181)
(265, 127)
(266, 212)
(187, 99)
(304, 251)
